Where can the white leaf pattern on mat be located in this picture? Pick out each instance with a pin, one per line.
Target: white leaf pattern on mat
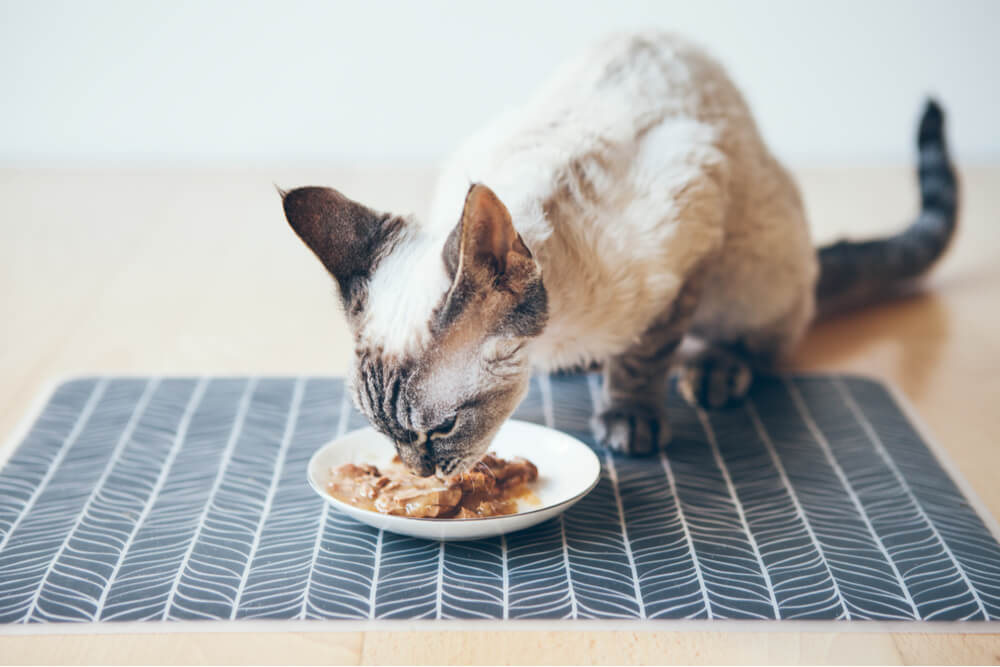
(25, 477)
(345, 553)
(408, 578)
(852, 492)
(676, 509)
(343, 572)
(731, 568)
(94, 391)
(278, 574)
(536, 573)
(472, 584)
(132, 499)
(610, 472)
(537, 585)
(596, 557)
(928, 568)
(148, 574)
(286, 439)
(956, 521)
(738, 507)
(79, 568)
(35, 540)
(186, 595)
(864, 575)
(25, 472)
(667, 573)
(211, 580)
(158, 440)
(801, 578)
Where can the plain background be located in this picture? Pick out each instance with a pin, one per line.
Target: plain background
(402, 82)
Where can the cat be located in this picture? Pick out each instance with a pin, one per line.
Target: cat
(629, 204)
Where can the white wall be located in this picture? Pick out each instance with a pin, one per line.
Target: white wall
(346, 82)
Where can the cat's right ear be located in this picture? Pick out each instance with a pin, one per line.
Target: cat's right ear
(346, 236)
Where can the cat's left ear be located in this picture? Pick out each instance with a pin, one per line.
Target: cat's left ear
(484, 248)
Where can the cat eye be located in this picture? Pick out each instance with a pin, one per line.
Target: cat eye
(444, 429)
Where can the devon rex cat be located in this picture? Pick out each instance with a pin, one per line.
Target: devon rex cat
(630, 203)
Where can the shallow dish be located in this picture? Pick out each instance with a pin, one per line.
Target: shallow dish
(567, 471)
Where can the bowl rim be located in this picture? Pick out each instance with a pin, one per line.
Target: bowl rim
(544, 508)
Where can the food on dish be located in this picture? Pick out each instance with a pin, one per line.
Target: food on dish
(493, 488)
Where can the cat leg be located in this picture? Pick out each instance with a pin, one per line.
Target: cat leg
(718, 376)
(631, 413)
(722, 373)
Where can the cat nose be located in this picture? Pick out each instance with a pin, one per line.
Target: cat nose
(426, 468)
(417, 457)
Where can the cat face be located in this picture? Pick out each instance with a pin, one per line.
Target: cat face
(441, 325)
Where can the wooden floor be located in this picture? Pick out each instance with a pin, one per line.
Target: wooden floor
(195, 271)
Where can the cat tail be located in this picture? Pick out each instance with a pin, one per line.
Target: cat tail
(856, 273)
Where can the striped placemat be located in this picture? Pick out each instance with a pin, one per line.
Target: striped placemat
(146, 499)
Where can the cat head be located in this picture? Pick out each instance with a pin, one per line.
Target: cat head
(441, 322)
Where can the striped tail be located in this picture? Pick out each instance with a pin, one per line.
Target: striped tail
(855, 273)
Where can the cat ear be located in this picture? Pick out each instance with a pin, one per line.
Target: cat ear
(345, 235)
(484, 247)
(491, 266)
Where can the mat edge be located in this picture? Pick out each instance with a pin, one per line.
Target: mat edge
(944, 459)
(514, 625)
(23, 425)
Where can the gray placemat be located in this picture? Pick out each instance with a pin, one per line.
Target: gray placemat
(186, 498)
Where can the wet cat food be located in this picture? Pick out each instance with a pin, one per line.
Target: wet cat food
(492, 488)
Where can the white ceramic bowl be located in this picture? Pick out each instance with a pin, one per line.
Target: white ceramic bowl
(567, 471)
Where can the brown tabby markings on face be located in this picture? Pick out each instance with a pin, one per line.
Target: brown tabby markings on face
(496, 292)
(440, 401)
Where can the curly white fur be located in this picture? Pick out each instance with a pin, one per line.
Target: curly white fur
(635, 166)
(649, 206)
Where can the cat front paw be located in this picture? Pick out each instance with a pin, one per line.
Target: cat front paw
(715, 378)
(635, 430)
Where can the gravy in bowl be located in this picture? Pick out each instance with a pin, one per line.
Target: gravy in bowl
(495, 487)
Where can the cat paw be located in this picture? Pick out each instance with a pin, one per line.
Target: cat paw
(632, 429)
(715, 379)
